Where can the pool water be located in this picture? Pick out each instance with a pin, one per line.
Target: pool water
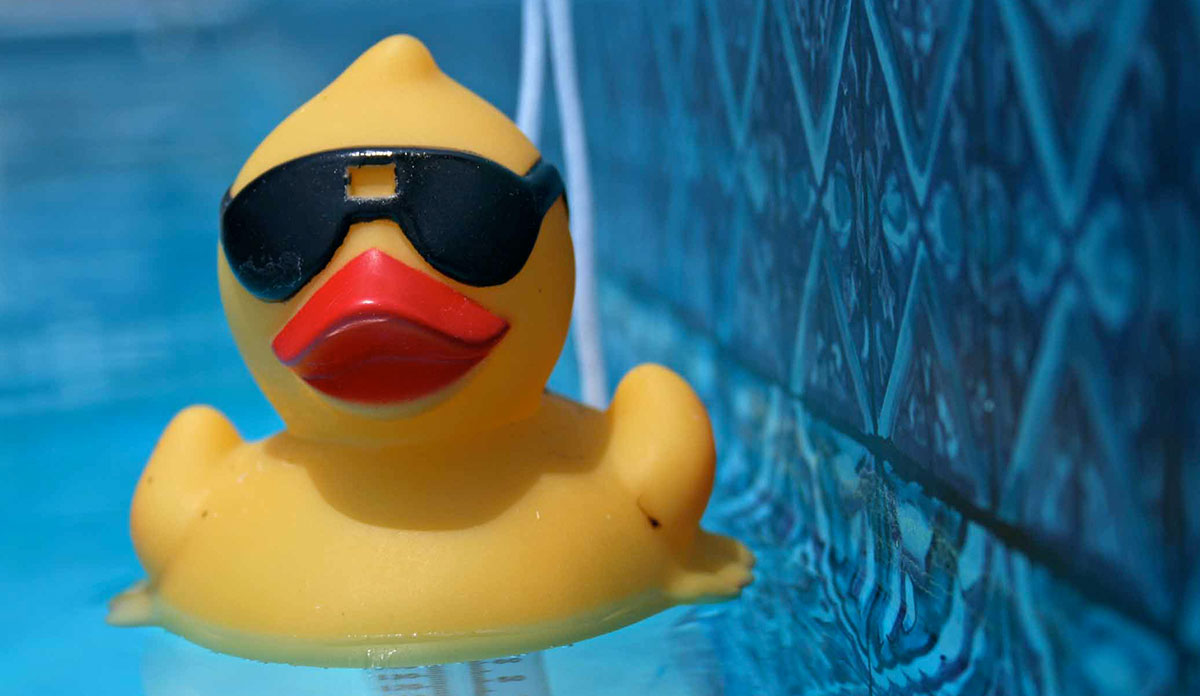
(118, 133)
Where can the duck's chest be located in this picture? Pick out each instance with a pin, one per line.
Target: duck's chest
(313, 548)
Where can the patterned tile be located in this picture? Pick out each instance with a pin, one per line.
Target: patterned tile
(927, 254)
(977, 222)
(757, 283)
(1081, 354)
(693, 205)
(819, 108)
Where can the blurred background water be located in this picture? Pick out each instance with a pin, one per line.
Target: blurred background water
(933, 265)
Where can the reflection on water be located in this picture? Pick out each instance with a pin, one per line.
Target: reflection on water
(667, 655)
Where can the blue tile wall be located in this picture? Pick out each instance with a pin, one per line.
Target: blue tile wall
(935, 265)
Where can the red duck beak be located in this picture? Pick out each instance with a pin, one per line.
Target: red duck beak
(381, 332)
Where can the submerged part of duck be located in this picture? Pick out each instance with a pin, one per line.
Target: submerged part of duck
(396, 267)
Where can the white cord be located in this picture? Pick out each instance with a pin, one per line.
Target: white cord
(533, 69)
(589, 351)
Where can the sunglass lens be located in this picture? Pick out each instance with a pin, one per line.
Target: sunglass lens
(471, 219)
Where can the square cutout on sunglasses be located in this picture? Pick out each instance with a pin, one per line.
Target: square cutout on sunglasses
(371, 181)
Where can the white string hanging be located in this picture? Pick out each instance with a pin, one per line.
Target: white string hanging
(533, 69)
(589, 351)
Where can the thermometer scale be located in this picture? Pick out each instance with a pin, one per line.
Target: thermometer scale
(523, 675)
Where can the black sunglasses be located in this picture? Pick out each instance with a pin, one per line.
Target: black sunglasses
(471, 218)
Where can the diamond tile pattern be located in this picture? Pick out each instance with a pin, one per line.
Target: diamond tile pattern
(933, 264)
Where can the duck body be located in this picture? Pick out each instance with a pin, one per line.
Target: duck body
(397, 270)
(546, 531)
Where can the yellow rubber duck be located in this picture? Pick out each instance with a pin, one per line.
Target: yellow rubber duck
(397, 271)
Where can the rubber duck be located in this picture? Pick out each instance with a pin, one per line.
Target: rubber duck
(396, 268)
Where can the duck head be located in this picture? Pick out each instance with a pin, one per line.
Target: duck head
(395, 262)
